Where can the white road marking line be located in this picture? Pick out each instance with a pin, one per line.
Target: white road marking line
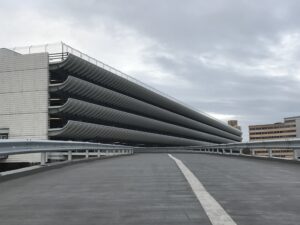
(215, 212)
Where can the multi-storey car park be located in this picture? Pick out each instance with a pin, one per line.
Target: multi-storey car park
(56, 92)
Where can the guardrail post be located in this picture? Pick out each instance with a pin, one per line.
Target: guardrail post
(270, 153)
(86, 154)
(230, 151)
(252, 152)
(106, 152)
(98, 154)
(43, 158)
(296, 154)
(69, 155)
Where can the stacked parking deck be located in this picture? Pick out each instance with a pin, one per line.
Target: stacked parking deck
(93, 104)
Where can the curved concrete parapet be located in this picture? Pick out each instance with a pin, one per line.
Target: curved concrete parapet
(88, 131)
(85, 70)
(85, 111)
(86, 91)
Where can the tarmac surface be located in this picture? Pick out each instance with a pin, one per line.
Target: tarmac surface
(151, 189)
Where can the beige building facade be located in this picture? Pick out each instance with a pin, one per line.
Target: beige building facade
(288, 129)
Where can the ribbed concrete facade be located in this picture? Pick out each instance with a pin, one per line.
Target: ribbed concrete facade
(82, 101)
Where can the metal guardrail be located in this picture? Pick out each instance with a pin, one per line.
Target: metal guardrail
(58, 57)
(13, 147)
(275, 144)
(240, 148)
(245, 148)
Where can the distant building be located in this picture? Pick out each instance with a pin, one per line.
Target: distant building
(288, 129)
(234, 123)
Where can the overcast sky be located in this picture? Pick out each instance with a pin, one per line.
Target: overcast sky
(234, 59)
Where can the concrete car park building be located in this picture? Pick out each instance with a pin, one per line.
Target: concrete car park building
(56, 92)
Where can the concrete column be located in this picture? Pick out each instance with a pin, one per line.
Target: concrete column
(43, 158)
(86, 154)
(69, 155)
(98, 154)
(106, 152)
(252, 152)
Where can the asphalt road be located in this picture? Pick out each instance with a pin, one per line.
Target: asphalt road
(150, 189)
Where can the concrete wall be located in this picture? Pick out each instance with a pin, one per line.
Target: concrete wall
(298, 127)
(24, 97)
